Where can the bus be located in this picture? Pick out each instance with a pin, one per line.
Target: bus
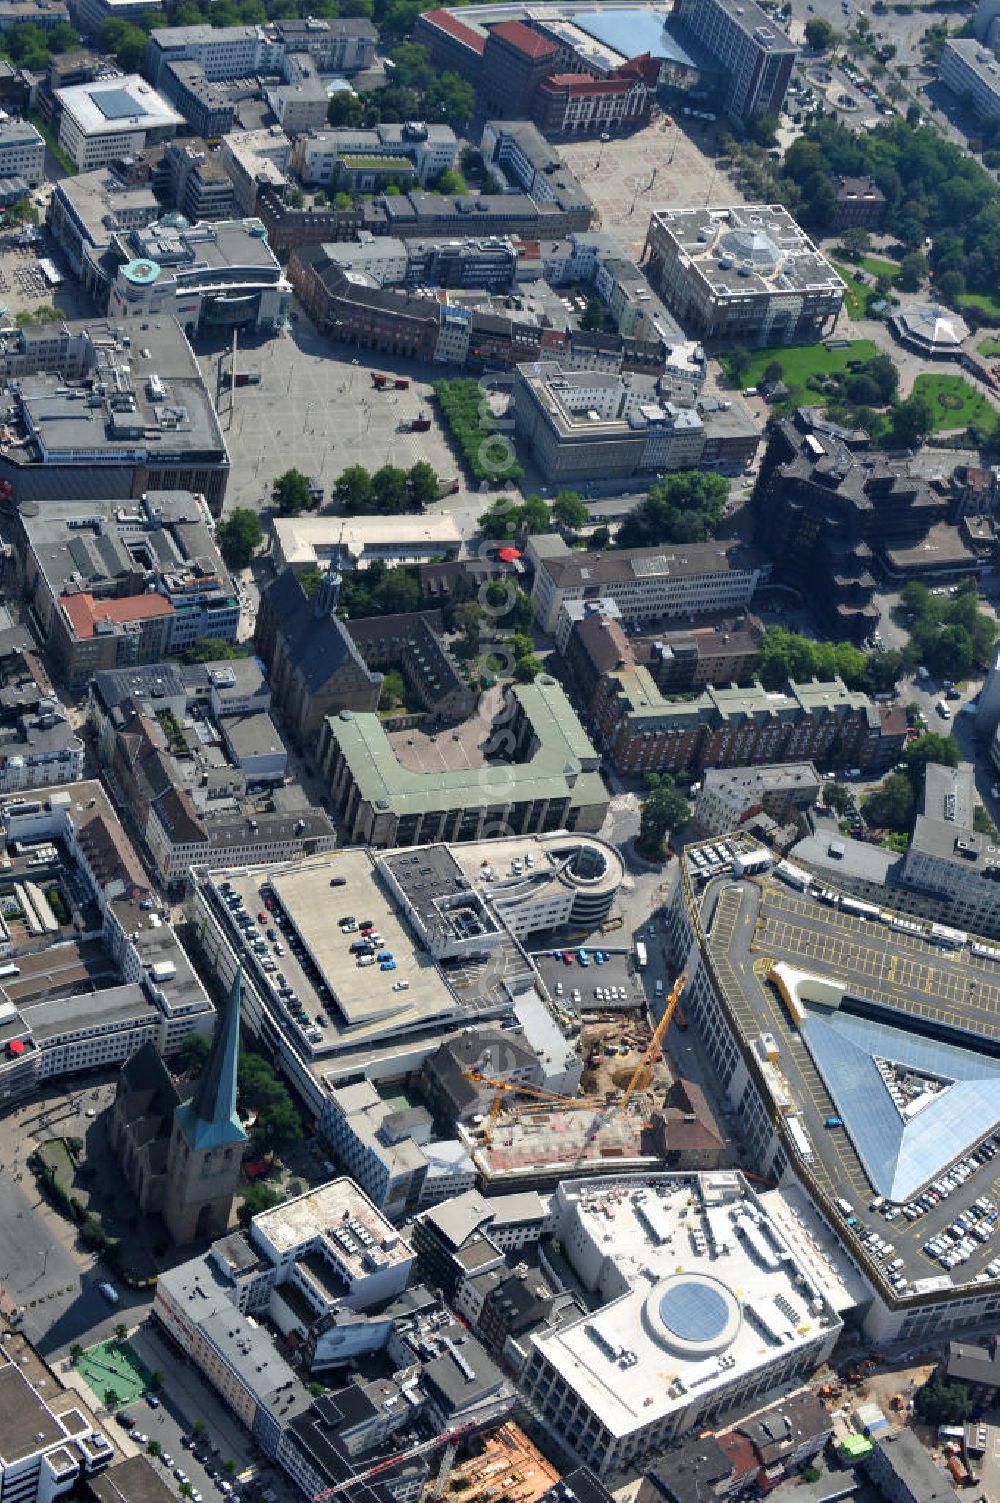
(640, 955)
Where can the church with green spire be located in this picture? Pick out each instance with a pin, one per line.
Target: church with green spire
(182, 1157)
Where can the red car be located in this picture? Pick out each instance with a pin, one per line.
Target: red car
(262, 918)
(567, 958)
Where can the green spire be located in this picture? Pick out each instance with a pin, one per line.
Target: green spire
(209, 1119)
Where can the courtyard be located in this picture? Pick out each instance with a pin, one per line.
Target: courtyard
(112, 1367)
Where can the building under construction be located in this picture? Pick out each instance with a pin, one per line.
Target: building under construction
(507, 1469)
(531, 1134)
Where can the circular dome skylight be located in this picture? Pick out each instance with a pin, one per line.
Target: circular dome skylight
(751, 245)
(694, 1312)
(692, 1315)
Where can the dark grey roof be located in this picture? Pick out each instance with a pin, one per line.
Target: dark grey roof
(318, 645)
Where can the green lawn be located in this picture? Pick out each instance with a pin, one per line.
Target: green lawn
(799, 362)
(875, 266)
(954, 402)
(990, 346)
(113, 1364)
(989, 303)
(854, 292)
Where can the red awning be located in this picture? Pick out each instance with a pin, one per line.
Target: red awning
(16, 1046)
(508, 555)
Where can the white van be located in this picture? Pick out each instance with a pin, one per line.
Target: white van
(659, 988)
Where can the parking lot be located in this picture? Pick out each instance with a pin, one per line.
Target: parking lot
(183, 1399)
(948, 986)
(751, 928)
(620, 986)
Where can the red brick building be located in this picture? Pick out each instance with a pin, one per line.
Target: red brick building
(576, 104)
(641, 731)
(860, 201)
(374, 318)
(451, 43)
(515, 61)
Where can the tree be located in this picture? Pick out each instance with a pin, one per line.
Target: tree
(353, 488)
(950, 286)
(393, 689)
(930, 748)
(570, 511)
(663, 810)
(892, 805)
(739, 362)
(468, 619)
(774, 370)
(229, 1467)
(685, 507)
(600, 537)
(912, 272)
(836, 797)
(121, 1331)
(527, 668)
(592, 318)
(185, 1489)
(296, 198)
(209, 650)
(199, 1429)
(278, 1127)
(411, 66)
(239, 536)
(912, 420)
(941, 1403)
(75, 1353)
(156, 1378)
(856, 241)
(127, 42)
(257, 1082)
(110, 1398)
(451, 183)
(763, 129)
(534, 515)
(451, 100)
(259, 1197)
(422, 482)
(389, 489)
(291, 493)
(819, 34)
(154, 1448)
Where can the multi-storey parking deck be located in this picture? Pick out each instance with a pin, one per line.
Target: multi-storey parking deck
(860, 1050)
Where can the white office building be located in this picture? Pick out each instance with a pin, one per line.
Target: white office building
(22, 152)
(113, 118)
(704, 1307)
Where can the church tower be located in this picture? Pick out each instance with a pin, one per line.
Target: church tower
(206, 1143)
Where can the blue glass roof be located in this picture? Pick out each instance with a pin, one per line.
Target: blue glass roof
(694, 1311)
(116, 104)
(900, 1155)
(633, 32)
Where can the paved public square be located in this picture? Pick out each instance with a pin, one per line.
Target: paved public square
(316, 408)
(663, 165)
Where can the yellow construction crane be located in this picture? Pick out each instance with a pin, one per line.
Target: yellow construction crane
(519, 1088)
(644, 1070)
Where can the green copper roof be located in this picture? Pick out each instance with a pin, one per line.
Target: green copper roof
(209, 1119)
